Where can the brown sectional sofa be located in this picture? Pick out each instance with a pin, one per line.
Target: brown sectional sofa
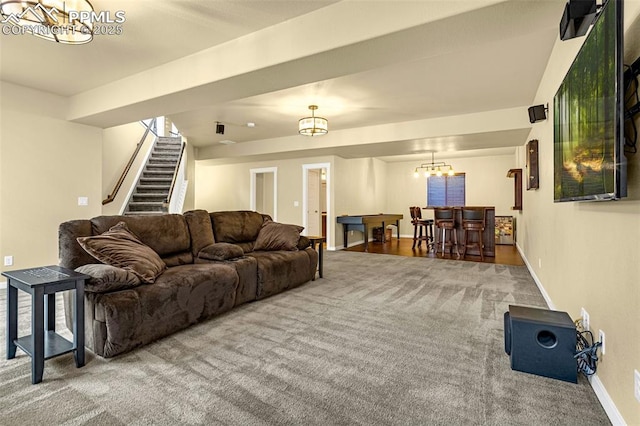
(214, 262)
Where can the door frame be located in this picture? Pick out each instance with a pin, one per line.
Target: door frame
(252, 190)
(305, 197)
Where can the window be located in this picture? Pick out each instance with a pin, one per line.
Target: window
(446, 191)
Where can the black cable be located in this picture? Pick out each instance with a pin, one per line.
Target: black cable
(586, 353)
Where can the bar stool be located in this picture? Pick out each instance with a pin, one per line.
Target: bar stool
(418, 223)
(473, 222)
(445, 221)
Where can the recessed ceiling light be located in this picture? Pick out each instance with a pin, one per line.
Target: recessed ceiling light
(251, 124)
(227, 142)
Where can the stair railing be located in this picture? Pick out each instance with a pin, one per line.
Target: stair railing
(112, 196)
(175, 174)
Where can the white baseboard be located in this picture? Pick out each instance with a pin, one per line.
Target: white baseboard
(596, 384)
(546, 296)
(607, 403)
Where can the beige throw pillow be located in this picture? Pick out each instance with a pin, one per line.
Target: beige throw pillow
(121, 248)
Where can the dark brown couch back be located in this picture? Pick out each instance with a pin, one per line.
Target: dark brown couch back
(168, 235)
(239, 227)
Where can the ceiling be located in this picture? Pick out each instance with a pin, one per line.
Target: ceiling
(394, 68)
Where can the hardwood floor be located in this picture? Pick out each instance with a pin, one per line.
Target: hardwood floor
(505, 255)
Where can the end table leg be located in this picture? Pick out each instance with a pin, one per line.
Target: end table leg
(12, 319)
(320, 248)
(37, 335)
(78, 324)
(50, 312)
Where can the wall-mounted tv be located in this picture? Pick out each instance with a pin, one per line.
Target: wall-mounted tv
(589, 161)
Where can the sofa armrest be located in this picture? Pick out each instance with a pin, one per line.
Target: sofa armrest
(220, 251)
(107, 278)
(303, 242)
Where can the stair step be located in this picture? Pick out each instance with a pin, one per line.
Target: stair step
(150, 196)
(158, 173)
(155, 180)
(161, 167)
(162, 155)
(144, 213)
(163, 160)
(175, 152)
(147, 206)
(157, 189)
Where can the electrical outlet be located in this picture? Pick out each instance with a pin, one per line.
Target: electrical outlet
(636, 384)
(601, 338)
(8, 261)
(585, 319)
(539, 263)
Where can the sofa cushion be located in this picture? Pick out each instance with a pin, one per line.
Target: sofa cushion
(303, 242)
(121, 248)
(181, 296)
(200, 230)
(166, 234)
(282, 270)
(278, 236)
(106, 278)
(236, 226)
(220, 251)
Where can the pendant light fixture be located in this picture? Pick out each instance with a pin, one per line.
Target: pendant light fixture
(313, 126)
(434, 168)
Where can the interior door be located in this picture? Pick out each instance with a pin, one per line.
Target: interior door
(313, 202)
(264, 191)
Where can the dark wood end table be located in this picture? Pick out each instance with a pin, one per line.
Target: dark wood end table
(42, 284)
(320, 241)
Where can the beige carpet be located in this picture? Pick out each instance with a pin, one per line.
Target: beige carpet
(380, 340)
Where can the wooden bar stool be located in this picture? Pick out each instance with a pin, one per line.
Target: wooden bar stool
(473, 223)
(418, 224)
(446, 222)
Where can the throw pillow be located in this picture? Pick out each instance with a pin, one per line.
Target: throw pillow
(220, 251)
(121, 248)
(278, 236)
(106, 278)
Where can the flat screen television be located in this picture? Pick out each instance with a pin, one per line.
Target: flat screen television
(589, 161)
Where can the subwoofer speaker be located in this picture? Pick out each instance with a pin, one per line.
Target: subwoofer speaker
(542, 342)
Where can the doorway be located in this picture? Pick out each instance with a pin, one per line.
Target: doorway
(264, 191)
(316, 206)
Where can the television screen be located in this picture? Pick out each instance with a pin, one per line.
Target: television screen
(589, 163)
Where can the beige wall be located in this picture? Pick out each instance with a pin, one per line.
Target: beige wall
(227, 187)
(586, 254)
(360, 188)
(46, 164)
(486, 184)
(357, 186)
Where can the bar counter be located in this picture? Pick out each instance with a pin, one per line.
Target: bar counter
(488, 236)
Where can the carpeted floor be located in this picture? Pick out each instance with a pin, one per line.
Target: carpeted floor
(380, 340)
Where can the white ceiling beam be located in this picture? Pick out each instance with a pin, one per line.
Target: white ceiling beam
(351, 36)
(413, 137)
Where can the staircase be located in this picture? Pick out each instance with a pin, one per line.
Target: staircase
(152, 190)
